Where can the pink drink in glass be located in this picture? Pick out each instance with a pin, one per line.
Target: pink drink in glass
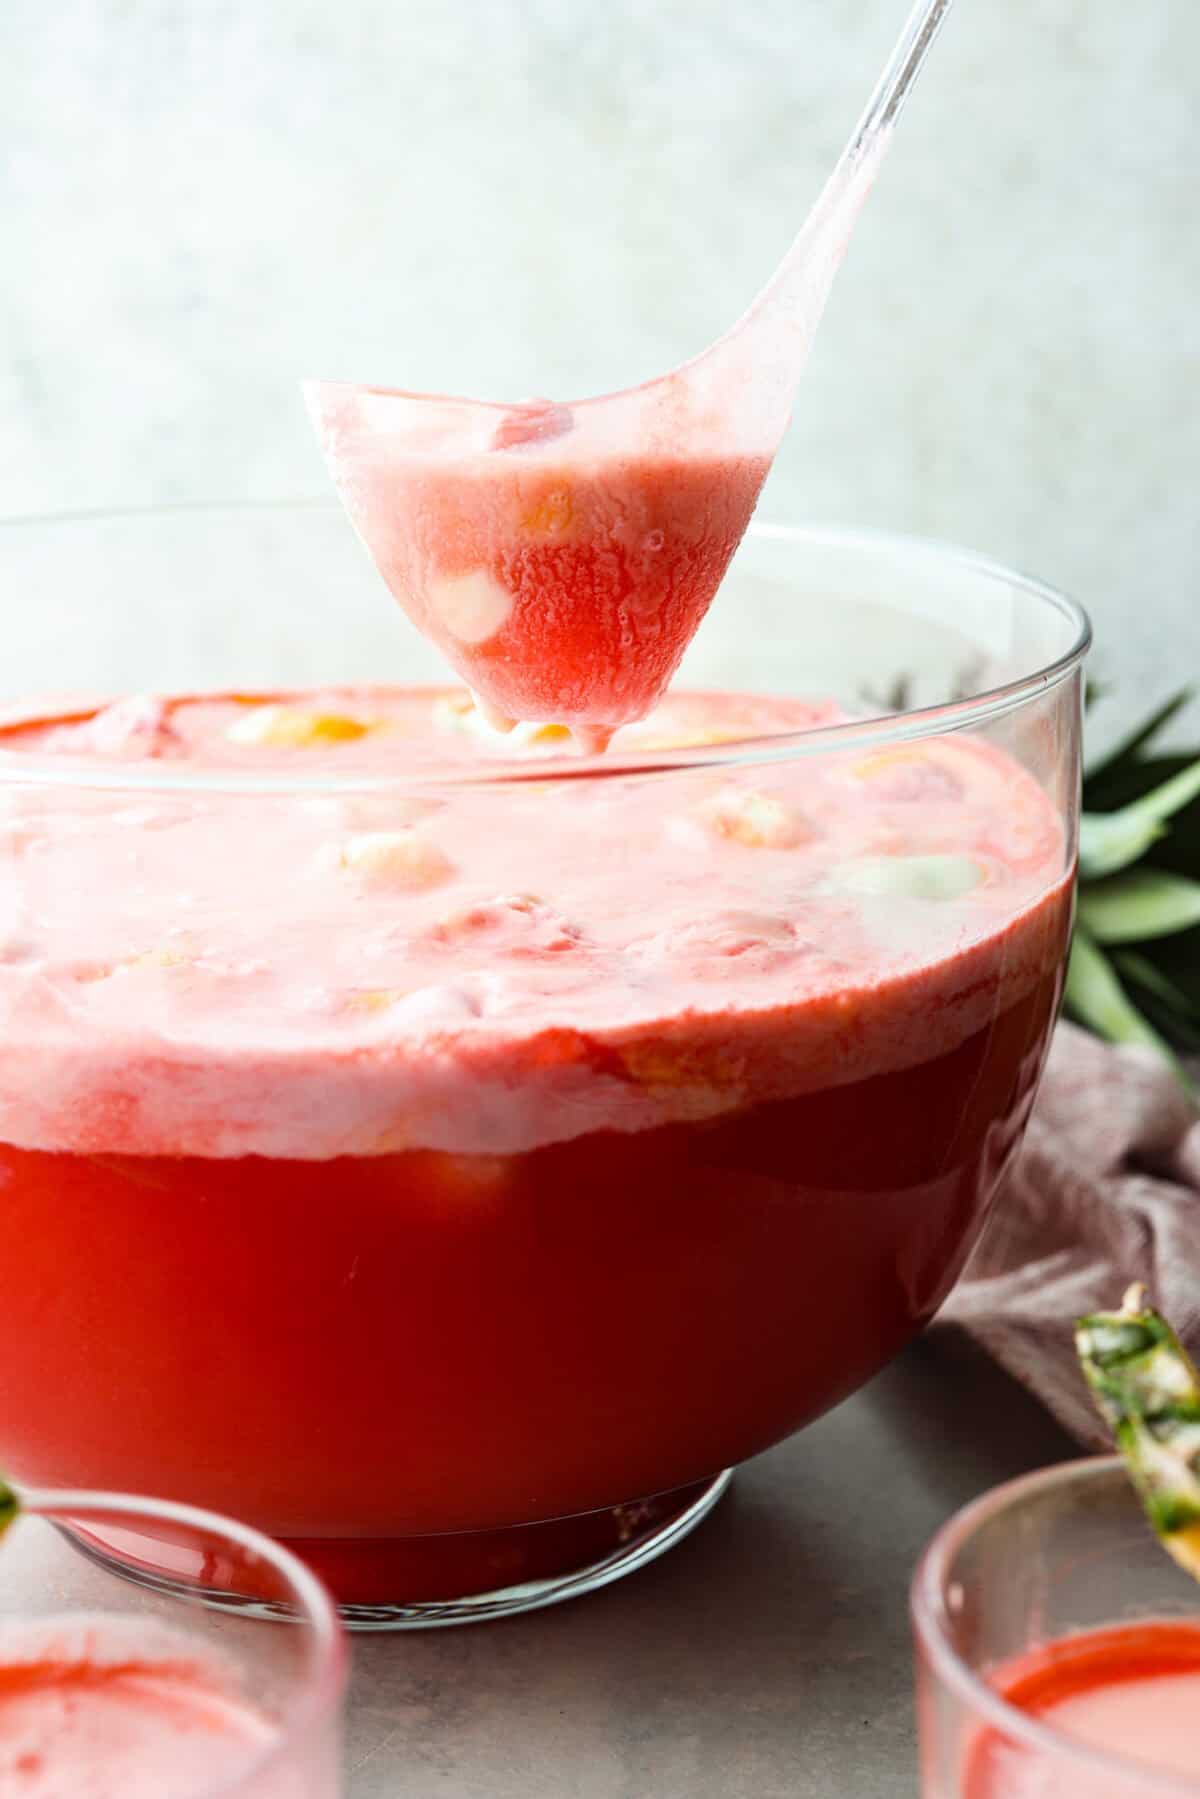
(1058, 1647)
(116, 1691)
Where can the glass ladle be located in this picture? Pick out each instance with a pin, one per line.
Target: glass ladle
(562, 556)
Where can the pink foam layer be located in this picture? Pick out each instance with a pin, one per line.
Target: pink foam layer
(480, 966)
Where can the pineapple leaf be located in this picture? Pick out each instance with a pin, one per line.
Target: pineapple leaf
(1178, 961)
(1138, 905)
(1180, 1029)
(1129, 748)
(1097, 999)
(1134, 972)
(1151, 979)
(1110, 841)
(1113, 788)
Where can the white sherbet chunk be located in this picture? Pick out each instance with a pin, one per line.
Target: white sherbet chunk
(401, 859)
(471, 607)
(909, 877)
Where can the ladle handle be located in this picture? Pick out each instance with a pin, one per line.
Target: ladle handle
(768, 346)
(899, 77)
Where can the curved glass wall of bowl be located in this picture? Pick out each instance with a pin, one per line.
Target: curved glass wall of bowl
(497, 1107)
(164, 1683)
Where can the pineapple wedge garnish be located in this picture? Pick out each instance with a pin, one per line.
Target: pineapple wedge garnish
(1148, 1391)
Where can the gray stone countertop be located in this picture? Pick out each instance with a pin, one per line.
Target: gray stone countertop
(767, 1656)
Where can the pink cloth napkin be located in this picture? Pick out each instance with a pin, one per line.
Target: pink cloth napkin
(1106, 1190)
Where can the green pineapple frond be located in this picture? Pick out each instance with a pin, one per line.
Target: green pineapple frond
(1110, 841)
(10, 1505)
(1113, 767)
(1147, 1391)
(1095, 997)
(1134, 973)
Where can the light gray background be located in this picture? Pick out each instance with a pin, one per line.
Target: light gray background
(203, 202)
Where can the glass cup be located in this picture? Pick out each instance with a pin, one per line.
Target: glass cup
(164, 1684)
(484, 1324)
(1065, 1550)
